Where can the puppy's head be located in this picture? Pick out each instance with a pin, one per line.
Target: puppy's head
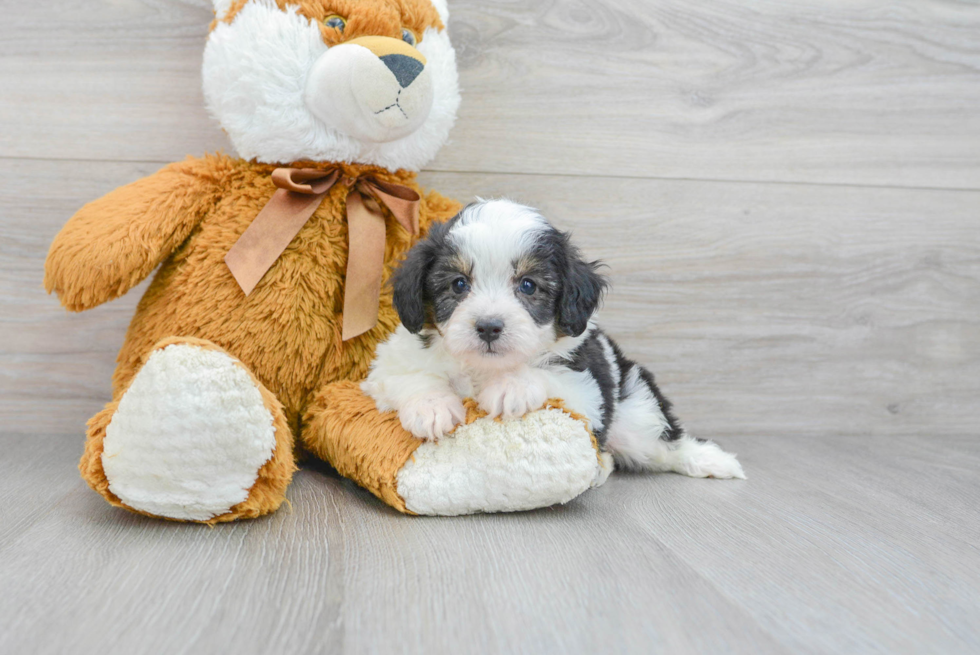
(498, 284)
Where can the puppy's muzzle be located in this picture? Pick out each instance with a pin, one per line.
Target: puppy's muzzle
(373, 88)
(489, 329)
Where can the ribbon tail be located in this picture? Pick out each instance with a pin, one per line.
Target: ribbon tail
(365, 265)
(403, 202)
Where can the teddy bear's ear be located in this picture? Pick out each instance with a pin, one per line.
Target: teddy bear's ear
(221, 8)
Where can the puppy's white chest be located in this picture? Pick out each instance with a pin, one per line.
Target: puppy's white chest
(468, 383)
(462, 385)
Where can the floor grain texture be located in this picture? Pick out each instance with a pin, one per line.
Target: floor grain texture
(788, 196)
(810, 555)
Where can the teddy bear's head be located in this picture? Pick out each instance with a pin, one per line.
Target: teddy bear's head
(365, 81)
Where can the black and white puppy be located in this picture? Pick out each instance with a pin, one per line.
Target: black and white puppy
(498, 305)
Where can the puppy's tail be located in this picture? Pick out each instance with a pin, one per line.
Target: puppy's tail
(685, 455)
(644, 437)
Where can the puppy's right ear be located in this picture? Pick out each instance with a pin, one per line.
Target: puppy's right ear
(581, 290)
(409, 285)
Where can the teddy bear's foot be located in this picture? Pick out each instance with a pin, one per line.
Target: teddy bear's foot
(547, 458)
(195, 437)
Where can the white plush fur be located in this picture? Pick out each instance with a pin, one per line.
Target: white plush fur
(256, 73)
(221, 8)
(189, 436)
(489, 466)
(443, 10)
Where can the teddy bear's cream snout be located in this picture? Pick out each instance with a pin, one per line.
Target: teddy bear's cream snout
(375, 89)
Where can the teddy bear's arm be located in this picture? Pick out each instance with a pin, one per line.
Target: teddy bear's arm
(113, 243)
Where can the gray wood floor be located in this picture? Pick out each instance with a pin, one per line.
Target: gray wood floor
(834, 545)
(788, 195)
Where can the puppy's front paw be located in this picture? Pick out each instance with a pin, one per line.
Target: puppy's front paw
(432, 416)
(513, 395)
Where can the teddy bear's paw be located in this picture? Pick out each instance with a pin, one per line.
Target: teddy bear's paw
(544, 459)
(189, 436)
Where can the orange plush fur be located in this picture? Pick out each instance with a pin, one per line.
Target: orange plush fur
(287, 333)
(364, 17)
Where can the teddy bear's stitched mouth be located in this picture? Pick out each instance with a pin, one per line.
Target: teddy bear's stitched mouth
(394, 104)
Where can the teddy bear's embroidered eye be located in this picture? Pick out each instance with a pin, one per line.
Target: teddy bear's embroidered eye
(336, 22)
(408, 36)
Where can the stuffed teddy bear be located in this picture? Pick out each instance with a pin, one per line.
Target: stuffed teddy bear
(270, 295)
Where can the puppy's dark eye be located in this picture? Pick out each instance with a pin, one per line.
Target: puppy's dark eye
(460, 285)
(336, 22)
(528, 287)
(408, 36)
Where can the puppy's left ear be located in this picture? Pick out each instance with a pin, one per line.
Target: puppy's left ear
(581, 291)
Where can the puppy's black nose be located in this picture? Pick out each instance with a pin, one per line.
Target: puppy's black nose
(489, 329)
(404, 67)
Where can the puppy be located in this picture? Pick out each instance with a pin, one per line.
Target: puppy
(498, 305)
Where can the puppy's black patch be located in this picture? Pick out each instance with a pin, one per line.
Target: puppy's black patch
(423, 294)
(412, 295)
(625, 364)
(580, 286)
(538, 267)
(591, 357)
(440, 295)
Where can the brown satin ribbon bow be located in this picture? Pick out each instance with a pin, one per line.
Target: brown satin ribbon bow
(299, 192)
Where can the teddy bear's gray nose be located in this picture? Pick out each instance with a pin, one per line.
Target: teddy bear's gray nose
(405, 68)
